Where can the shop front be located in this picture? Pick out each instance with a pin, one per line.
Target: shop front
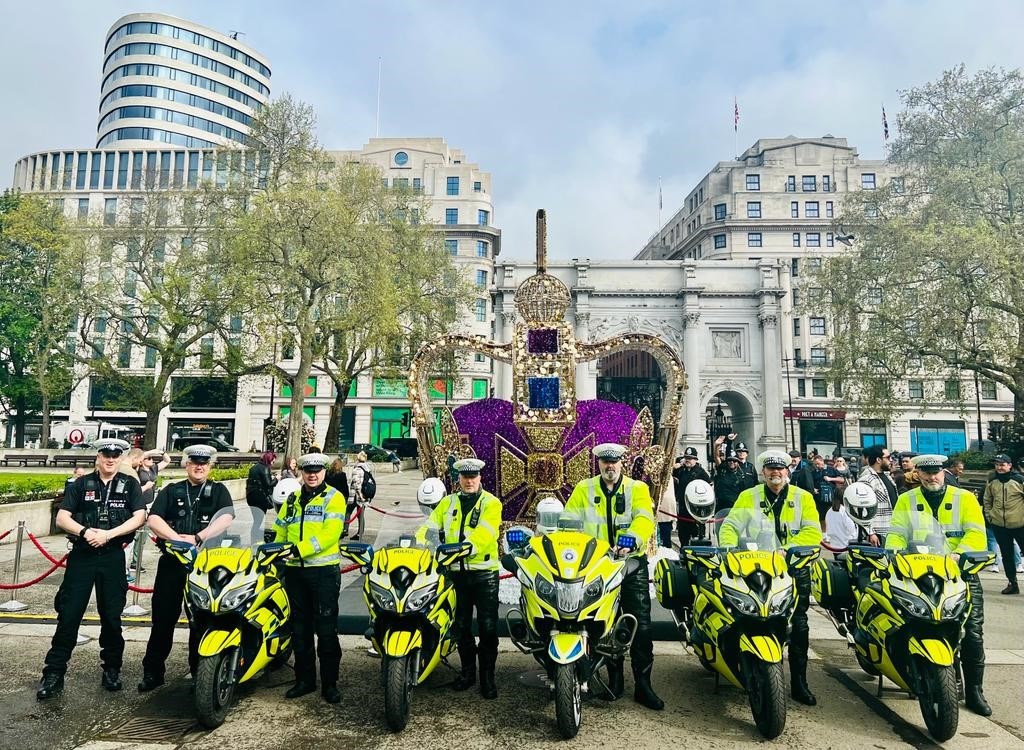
(945, 437)
(819, 429)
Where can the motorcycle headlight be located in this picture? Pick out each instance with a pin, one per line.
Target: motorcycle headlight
(743, 602)
(593, 592)
(383, 598)
(781, 602)
(237, 597)
(545, 590)
(913, 605)
(419, 599)
(955, 606)
(199, 597)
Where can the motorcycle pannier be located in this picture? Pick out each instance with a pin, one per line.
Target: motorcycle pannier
(672, 584)
(830, 584)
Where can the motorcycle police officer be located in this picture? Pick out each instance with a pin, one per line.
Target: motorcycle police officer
(960, 516)
(312, 520)
(795, 517)
(611, 504)
(193, 510)
(472, 515)
(100, 512)
(686, 470)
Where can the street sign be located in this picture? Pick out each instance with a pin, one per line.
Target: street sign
(76, 437)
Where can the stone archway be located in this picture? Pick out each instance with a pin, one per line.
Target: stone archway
(741, 408)
(633, 378)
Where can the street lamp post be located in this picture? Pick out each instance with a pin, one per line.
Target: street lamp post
(789, 395)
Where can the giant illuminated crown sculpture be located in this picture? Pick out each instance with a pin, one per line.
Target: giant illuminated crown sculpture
(539, 443)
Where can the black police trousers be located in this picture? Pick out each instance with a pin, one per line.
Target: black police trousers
(168, 595)
(799, 636)
(88, 567)
(972, 645)
(635, 600)
(313, 592)
(476, 588)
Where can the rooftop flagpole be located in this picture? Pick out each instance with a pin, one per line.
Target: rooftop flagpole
(380, 65)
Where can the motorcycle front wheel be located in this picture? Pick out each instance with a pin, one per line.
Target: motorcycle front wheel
(396, 693)
(214, 688)
(938, 700)
(568, 701)
(766, 691)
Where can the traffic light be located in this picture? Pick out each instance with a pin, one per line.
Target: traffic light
(992, 433)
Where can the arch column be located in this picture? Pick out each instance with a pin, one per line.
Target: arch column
(774, 436)
(586, 374)
(503, 324)
(694, 431)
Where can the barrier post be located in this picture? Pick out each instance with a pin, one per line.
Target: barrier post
(135, 609)
(13, 605)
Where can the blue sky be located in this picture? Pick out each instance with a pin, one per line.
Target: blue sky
(577, 107)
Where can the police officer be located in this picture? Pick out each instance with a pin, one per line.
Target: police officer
(745, 466)
(472, 515)
(960, 516)
(193, 510)
(100, 512)
(312, 519)
(730, 481)
(687, 469)
(609, 505)
(792, 512)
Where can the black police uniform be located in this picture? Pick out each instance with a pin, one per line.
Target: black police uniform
(97, 505)
(682, 477)
(728, 486)
(188, 509)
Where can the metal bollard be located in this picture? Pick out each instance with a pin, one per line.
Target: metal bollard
(135, 609)
(13, 605)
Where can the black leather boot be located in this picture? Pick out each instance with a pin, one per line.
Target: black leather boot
(616, 679)
(974, 698)
(799, 688)
(330, 693)
(300, 688)
(50, 686)
(111, 679)
(643, 692)
(467, 678)
(487, 687)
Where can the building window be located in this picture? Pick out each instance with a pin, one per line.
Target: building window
(478, 187)
(796, 326)
(874, 296)
(915, 389)
(830, 240)
(483, 218)
(817, 326)
(826, 183)
(481, 249)
(818, 356)
(794, 267)
(871, 212)
(814, 263)
(481, 279)
(753, 239)
(452, 246)
(753, 182)
(791, 184)
(451, 216)
(83, 209)
(478, 357)
(453, 186)
(794, 209)
(719, 241)
(796, 239)
(719, 211)
(417, 185)
(829, 209)
(206, 353)
(988, 390)
(801, 387)
(867, 181)
(811, 209)
(150, 357)
(819, 388)
(798, 356)
(952, 390)
(753, 209)
(813, 239)
(809, 183)
(481, 310)
(110, 212)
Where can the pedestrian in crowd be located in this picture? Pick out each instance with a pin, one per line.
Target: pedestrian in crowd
(337, 478)
(149, 470)
(876, 475)
(954, 471)
(100, 512)
(686, 469)
(609, 506)
(840, 529)
(78, 471)
(745, 466)
(290, 468)
(130, 463)
(800, 473)
(193, 510)
(730, 481)
(904, 476)
(1004, 511)
(259, 493)
(667, 508)
(357, 502)
(472, 515)
(960, 515)
(312, 520)
(396, 462)
(821, 490)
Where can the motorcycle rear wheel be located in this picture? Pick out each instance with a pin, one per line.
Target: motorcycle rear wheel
(766, 691)
(396, 693)
(938, 701)
(214, 689)
(568, 701)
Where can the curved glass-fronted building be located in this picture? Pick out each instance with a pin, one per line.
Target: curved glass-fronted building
(175, 82)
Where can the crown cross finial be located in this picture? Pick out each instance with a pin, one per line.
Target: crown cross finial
(542, 241)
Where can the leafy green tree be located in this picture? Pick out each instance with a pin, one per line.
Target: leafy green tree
(930, 287)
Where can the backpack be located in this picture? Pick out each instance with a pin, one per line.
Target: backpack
(369, 488)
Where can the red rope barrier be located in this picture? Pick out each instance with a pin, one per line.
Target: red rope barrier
(392, 513)
(832, 549)
(37, 579)
(687, 518)
(140, 589)
(350, 568)
(5, 534)
(43, 552)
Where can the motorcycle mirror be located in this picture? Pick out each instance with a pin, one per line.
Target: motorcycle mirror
(357, 552)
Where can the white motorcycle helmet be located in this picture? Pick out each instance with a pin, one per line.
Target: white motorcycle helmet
(285, 489)
(429, 494)
(549, 510)
(699, 499)
(861, 503)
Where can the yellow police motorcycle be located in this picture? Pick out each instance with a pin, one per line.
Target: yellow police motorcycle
(733, 607)
(568, 617)
(412, 605)
(903, 611)
(236, 600)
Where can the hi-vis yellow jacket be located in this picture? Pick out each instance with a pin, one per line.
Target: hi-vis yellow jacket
(315, 529)
(798, 517)
(629, 511)
(479, 527)
(959, 515)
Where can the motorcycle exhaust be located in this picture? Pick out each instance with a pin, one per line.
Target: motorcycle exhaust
(624, 631)
(518, 632)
